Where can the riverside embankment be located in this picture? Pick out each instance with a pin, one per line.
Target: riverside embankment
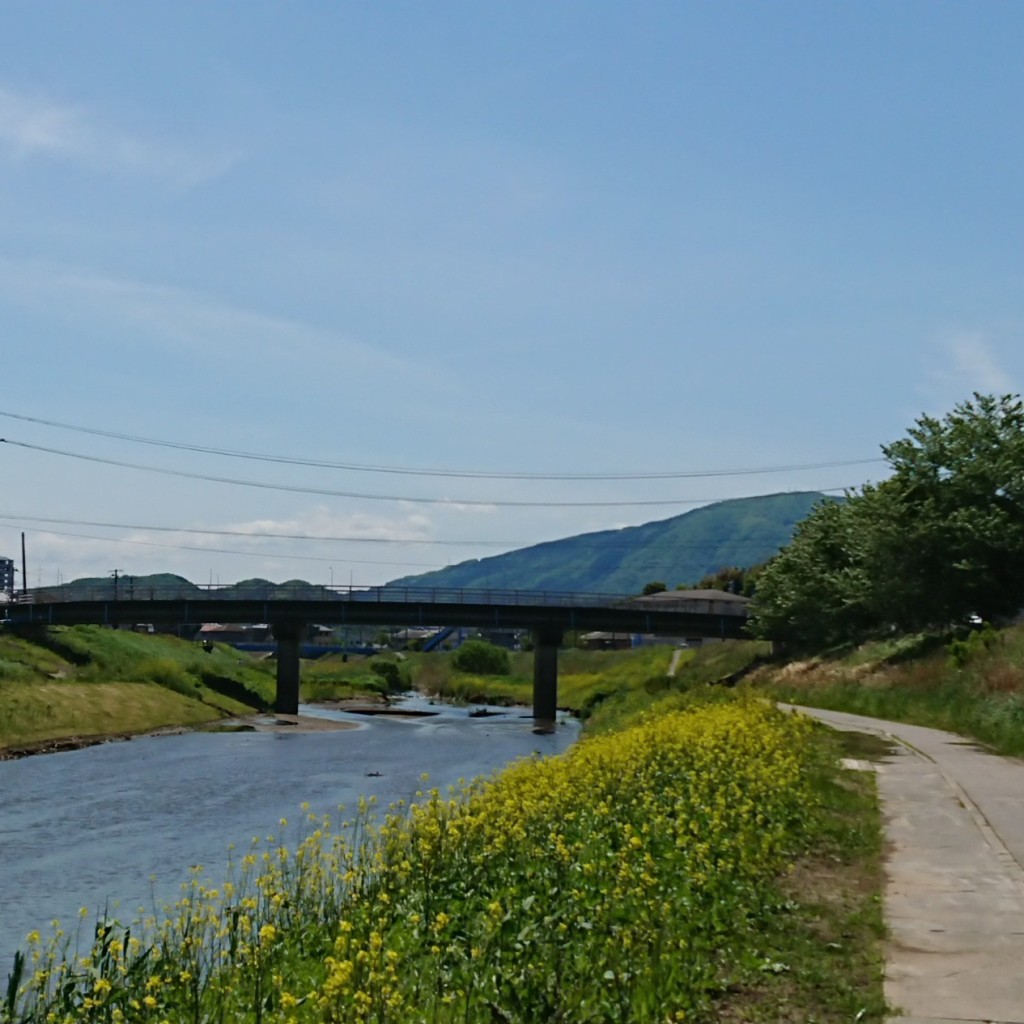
(65, 687)
(70, 686)
(118, 825)
(131, 814)
(641, 877)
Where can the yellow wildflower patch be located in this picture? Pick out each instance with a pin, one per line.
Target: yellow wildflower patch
(606, 884)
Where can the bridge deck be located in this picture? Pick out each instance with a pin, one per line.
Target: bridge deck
(548, 615)
(671, 614)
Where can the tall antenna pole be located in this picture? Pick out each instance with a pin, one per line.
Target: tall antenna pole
(24, 574)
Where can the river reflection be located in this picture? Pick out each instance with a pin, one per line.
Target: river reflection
(92, 827)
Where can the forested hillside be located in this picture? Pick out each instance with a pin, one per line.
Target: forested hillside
(677, 551)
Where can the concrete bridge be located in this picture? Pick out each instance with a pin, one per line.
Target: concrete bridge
(291, 608)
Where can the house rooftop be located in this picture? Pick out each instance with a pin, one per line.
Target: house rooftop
(667, 596)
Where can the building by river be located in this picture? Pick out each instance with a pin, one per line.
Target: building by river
(6, 575)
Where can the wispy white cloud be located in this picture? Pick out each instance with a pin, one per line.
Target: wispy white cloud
(974, 360)
(967, 363)
(72, 552)
(454, 505)
(319, 521)
(32, 127)
(186, 320)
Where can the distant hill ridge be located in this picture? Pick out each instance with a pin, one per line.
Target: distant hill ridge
(163, 583)
(679, 551)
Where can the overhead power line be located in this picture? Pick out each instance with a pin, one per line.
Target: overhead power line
(322, 559)
(749, 543)
(477, 474)
(262, 535)
(326, 492)
(231, 551)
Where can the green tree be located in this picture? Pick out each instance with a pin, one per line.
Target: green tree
(391, 675)
(812, 593)
(961, 483)
(730, 578)
(483, 658)
(939, 543)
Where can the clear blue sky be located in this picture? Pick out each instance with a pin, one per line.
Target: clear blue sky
(535, 238)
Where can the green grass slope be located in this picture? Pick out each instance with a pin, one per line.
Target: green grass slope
(58, 682)
(973, 686)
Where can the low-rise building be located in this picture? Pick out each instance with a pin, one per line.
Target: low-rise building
(602, 640)
(234, 632)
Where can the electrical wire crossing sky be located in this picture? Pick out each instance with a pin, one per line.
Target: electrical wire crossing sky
(355, 291)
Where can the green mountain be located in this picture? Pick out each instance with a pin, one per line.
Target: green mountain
(129, 586)
(166, 584)
(679, 551)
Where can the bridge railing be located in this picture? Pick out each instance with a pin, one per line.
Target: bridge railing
(268, 593)
(127, 591)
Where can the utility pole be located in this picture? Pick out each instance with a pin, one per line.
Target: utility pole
(24, 573)
(114, 573)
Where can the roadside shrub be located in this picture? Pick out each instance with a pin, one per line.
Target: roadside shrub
(479, 656)
(977, 641)
(657, 684)
(391, 675)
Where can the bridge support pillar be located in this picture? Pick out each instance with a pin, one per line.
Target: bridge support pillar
(288, 637)
(546, 641)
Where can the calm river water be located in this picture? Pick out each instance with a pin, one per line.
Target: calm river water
(92, 827)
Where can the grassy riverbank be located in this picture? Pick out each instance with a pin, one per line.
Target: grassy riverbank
(86, 681)
(70, 683)
(601, 687)
(584, 677)
(706, 864)
(973, 686)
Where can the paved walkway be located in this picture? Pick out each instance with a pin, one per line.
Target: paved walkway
(954, 899)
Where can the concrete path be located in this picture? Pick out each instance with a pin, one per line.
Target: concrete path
(954, 899)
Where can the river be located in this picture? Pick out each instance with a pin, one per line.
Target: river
(118, 825)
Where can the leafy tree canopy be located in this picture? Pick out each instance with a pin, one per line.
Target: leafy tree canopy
(937, 544)
(483, 658)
